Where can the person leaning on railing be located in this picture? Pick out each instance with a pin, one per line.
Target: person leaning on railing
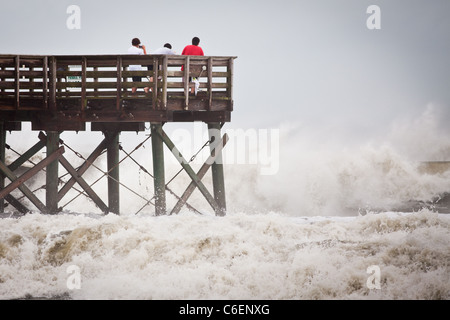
(139, 49)
(192, 50)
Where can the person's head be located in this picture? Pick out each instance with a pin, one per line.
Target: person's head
(135, 42)
(195, 41)
(168, 45)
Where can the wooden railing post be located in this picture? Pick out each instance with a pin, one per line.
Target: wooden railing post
(119, 83)
(83, 83)
(17, 82)
(2, 79)
(52, 84)
(45, 81)
(2, 159)
(186, 82)
(95, 81)
(164, 83)
(155, 83)
(230, 82)
(210, 80)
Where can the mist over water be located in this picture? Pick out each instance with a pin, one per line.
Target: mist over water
(329, 171)
(296, 169)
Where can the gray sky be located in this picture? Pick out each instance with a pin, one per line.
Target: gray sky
(309, 62)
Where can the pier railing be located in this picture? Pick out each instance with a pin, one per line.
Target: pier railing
(80, 85)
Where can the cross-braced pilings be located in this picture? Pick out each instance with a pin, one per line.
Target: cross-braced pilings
(63, 93)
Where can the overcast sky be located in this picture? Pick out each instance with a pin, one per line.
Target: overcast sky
(308, 62)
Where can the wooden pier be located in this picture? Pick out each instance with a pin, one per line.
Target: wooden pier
(64, 93)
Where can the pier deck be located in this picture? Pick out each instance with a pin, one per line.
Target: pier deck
(65, 92)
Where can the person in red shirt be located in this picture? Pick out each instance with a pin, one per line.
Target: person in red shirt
(192, 50)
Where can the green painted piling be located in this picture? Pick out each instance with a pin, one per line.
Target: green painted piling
(218, 176)
(158, 168)
(112, 147)
(52, 174)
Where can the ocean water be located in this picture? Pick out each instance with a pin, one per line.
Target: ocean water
(340, 218)
(240, 256)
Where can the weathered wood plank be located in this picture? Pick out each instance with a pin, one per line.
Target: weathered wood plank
(23, 85)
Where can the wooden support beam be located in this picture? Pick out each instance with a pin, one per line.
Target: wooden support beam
(18, 182)
(16, 164)
(16, 204)
(200, 174)
(158, 168)
(52, 174)
(217, 168)
(191, 173)
(83, 184)
(89, 161)
(112, 146)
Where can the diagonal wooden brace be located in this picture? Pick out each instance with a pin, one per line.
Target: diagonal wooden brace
(18, 182)
(83, 184)
(191, 172)
(200, 174)
(28, 154)
(89, 161)
(16, 164)
(16, 204)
